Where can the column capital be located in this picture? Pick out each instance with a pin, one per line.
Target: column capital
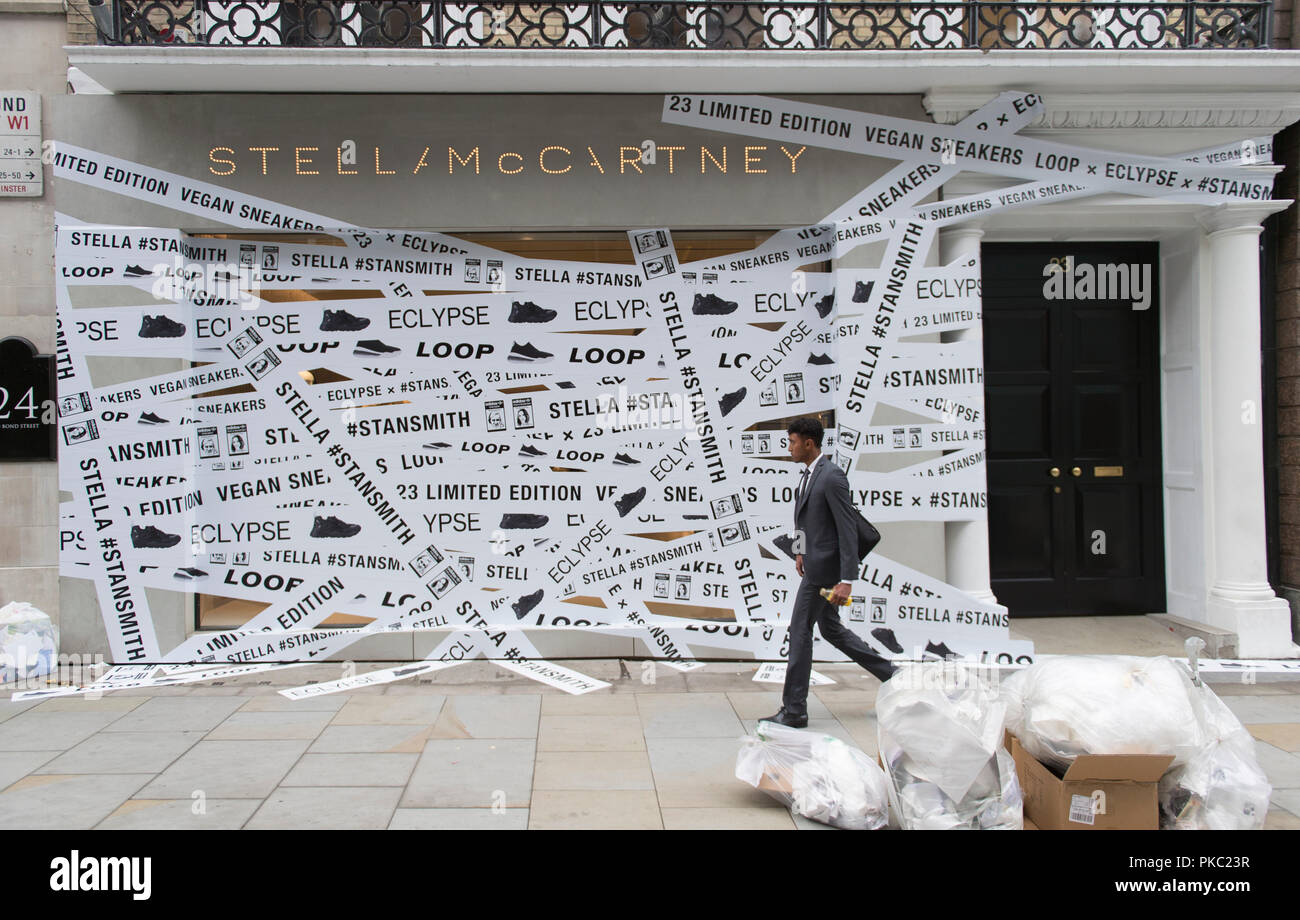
(1243, 216)
(960, 240)
(967, 228)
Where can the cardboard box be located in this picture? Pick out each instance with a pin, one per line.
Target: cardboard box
(1123, 785)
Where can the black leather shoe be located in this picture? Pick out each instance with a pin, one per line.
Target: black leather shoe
(783, 718)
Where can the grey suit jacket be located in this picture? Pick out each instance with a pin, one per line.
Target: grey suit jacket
(825, 514)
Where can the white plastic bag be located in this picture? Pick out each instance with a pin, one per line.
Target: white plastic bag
(940, 729)
(29, 643)
(1222, 786)
(1064, 706)
(816, 776)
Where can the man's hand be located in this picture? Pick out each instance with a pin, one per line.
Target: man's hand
(798, 564)
(840, 593)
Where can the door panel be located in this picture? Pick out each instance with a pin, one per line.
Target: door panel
(1021, 418)
(1105, 423)
(1110, 528)
(1073, 414)
(1104, 340)
(1025, 525)
(1016, 340)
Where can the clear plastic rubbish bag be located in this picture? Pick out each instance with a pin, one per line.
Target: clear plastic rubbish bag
(1221, 787)
(1061, 707)
(816, 776)
(29, 643)
(993, 803)
(940, 729)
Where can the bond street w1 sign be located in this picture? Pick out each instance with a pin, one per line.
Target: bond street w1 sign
(20, 145)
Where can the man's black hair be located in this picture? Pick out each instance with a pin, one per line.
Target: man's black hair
(808, 427)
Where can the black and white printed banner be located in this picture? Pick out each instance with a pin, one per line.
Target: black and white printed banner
(506, 444)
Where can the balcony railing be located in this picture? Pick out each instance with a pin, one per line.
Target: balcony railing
(751, 24)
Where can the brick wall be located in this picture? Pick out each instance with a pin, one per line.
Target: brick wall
(81, 29)
(1288, 361)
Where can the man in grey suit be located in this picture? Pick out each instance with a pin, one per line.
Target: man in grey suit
(826, 520)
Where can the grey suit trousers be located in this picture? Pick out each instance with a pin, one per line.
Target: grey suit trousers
(809, 608)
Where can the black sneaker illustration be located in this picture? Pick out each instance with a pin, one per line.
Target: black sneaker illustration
(695, 517)
(526, 352)
(887, 638)
(529, 312)
(526, 603)
(941, 650)
(785, 543)
(160, 327)
(324, 280)
(152, 538)
(629, 501)
(413, 669)
(523, 521)
(712, 304)
(333, 527)
(731, 400)
(624, 460)
(825, 305)
(529, 451)
(436, 445)
(373, 348)
(820, 359)
(342, 321)
(224, 276)
(565, 384)
(862, 291)
(135, 271)
(189, 573)
(148, 418)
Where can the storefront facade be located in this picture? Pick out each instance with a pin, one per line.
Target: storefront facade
(1125, 454)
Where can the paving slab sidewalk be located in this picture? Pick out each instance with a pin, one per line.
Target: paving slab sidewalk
(479, 747)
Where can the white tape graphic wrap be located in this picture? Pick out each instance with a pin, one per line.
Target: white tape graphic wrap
(507, 457)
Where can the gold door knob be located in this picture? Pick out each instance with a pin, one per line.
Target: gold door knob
(1054, 472)
(1076, 472)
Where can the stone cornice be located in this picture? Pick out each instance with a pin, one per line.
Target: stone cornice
(1244, 216)
(1254, 111)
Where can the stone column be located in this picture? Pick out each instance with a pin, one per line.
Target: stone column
(966, 542)
(1240, 597)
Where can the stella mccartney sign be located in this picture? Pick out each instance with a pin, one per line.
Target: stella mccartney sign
(347, 159)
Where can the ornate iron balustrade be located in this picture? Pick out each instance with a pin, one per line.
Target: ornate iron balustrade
(750, 24)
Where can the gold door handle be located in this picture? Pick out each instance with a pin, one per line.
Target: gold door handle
(1054, 472)
(1076, 472)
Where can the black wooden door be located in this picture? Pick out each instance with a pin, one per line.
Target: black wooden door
(1073, 404)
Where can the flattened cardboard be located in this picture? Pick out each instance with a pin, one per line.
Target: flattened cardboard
(1140, 768)
(777, 779)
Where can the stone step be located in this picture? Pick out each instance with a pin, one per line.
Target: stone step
(1219, 642)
